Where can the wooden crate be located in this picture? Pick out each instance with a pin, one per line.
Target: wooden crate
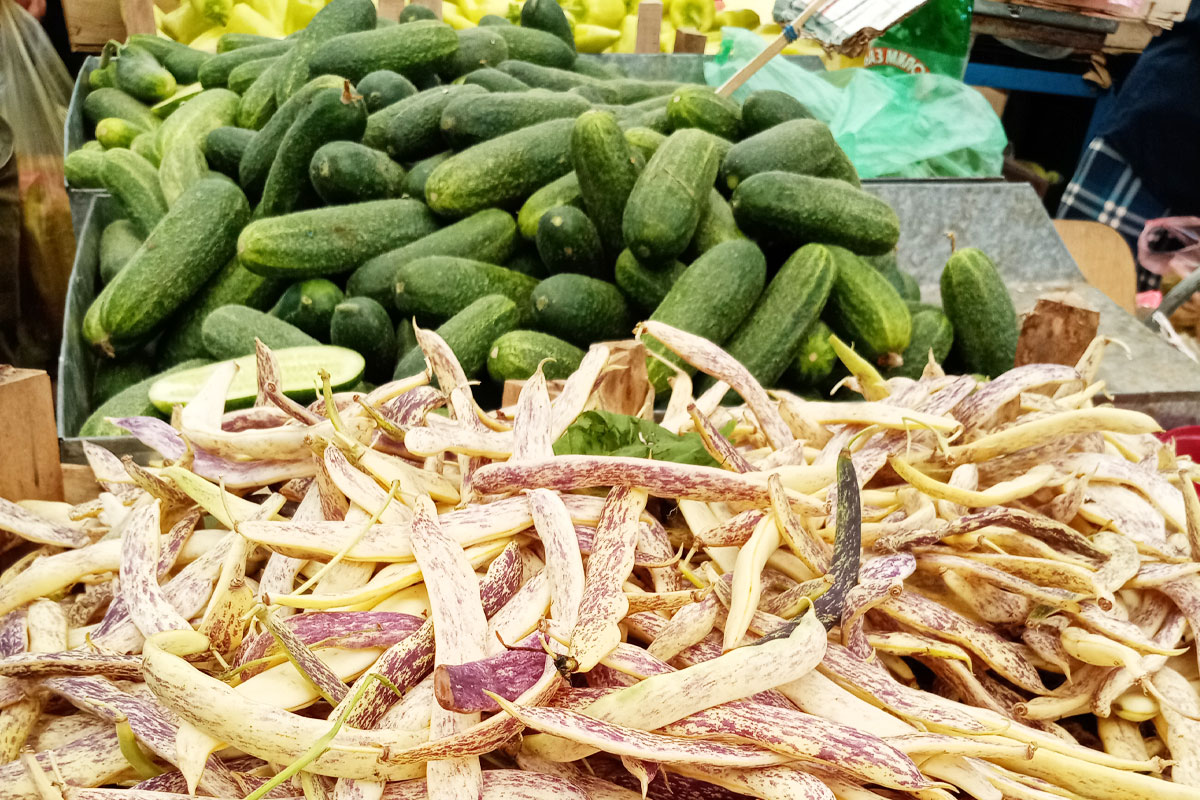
(91, 23)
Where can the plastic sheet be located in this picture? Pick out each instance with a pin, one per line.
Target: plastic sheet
(904, 126)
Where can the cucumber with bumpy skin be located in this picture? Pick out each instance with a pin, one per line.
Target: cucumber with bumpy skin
(83, 169)
(348, 172)
(933, 334)
(813, 364)
(563, 191)
(261, 151)
(216, 70)
(133, 181)
(244, 75)
(740, 269)
(981, 312)
(116, 132)
(230, 331)
(607, 170)
(118, 242)
(767, 108)
(338, 18)
(515, 356)
(798, 209)
(548, 16)
(417, 48)
(224, 147)
(867, 310)
(716, 225)
(435, 288)
(411, 129)
(414, 182)
(383, 87)
(309, 305)
(186, 248)
(536, 47)
(580, 309)
(362, 325)
(701, 107)
(494, 80)
(645, 288)
(567, 241)
(666, 202)
(182, 61)
(804, 146)
(477, 48)
(469, 334)
(415, 13)
(331, 115)
(132, 401)
(470, 120)
(487, 236)
(143, 145)
(113, 377)
(111, 102)
(332, 240)
(140, 74)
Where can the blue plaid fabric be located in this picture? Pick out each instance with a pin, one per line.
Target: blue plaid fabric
(1104, 188)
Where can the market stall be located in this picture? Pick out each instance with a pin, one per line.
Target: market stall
(454, 415)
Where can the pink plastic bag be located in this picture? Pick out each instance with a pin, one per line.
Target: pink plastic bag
(1170, 244)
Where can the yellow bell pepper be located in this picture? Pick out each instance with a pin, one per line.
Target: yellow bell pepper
(628, 41)
(215, 11)
(273, 10)
(207, 41)
(666, 37)
(454, 18)
(184, 24)
(245, 19)
(594, 38)
(299, 13)
(476, 10)
(605, 13)
(696, 14)
(737, 18)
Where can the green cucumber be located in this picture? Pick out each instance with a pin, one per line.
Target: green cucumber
(908, 287)
(244, 75)
(905, 284)
(411, 129)
(333, 240)
(258, 105)
(187, 247)
(495, 81)
(536, 47)
(230, 331)
(630, 91)
(803, 146)
(477, 48)
(607, 169)
(701, 107)
(645, 140)
(165, 108)
(933, 334)
(414, 49)
(309, 305)
(115, 376)
(239, 41)
(338, 18)
(361, 324)
(487, 236)
(260, 153)
(767, 108)
(140, 75)
(470, 120)
(414, 183)
(768, 338)
(501, 172)
(180, 140)
(491, 20)
(563, 191)
(216, 71)
(735, 273)
(83, 169)
(645, 288)
(224, 147)
(133, 181)
(567, 241)
(469, 334)
(143, 144)
(118, 242)
(814, 362)
(867, 310)
(435, 288)
(132, 401)
(516, 355)
(547, 77)
(591, 68)
(299, 368)
(102, 77)
(331, 115)
(110, 102)
(406, 336)
(581, 309)
(182, 61)
(348, 172)
(527, 262)
(548, 16)
(116, 132)
(980, 310)
(414, 13)
(800, 208)
(383, 87)
(716, 225)
(233, 285)
(669, 197)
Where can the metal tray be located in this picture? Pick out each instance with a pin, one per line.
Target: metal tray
(75, 133)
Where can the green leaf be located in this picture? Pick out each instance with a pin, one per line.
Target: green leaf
(603, 433)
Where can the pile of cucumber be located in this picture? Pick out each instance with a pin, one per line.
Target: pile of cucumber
(335, 186)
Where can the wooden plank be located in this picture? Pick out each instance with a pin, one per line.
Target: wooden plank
(1103, 257)
(689, 41)
(390, 9)
(138, 16)
(29, 468)
(79, 484)
(649, 28)
(1081, 41)
(91, 23)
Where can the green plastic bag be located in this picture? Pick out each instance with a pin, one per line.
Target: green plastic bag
(934, 38)
(905, 126)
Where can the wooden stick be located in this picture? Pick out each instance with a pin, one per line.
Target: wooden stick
(689, 41)
(770, 51)
(390, 9)
(138, 16)
(649, 27)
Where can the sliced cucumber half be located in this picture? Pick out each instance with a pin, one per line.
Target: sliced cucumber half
(299, 369)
